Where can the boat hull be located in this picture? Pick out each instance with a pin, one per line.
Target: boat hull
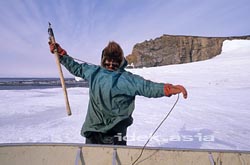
(67, 154)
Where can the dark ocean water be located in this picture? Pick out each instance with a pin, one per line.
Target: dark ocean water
(38, 83)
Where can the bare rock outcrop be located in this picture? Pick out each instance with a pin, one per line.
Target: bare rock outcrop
(172, 49)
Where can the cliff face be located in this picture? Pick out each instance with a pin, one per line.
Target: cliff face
(170, 49)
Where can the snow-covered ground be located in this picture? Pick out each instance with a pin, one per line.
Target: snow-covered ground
(216, 114)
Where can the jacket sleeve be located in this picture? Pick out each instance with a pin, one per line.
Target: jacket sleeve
(137, 85)
(79, 70)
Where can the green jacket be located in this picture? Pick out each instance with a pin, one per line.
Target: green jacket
(111, 94)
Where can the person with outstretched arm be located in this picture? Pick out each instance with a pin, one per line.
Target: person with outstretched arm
(112, 93)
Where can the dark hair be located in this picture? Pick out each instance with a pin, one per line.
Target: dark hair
(112, 51)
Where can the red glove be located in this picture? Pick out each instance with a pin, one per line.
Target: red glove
(170, 90)
(60, 50)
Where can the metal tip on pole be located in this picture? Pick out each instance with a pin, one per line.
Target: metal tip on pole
(49, 24)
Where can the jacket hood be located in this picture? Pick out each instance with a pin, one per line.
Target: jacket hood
(124, 64)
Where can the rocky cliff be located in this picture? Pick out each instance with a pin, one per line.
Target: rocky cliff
(171, 49)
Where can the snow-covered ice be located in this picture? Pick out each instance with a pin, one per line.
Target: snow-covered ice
(216, 114)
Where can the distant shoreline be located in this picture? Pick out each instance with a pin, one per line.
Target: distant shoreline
(38, 83)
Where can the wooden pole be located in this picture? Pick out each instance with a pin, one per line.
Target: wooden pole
(52, 39)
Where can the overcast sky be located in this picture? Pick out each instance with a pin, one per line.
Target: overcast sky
(84, 27)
